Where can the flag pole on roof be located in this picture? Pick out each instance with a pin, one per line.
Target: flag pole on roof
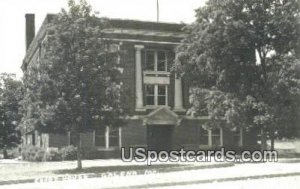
(157, 11)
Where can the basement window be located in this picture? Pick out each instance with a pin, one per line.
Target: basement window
(212, 137)
(216, 137)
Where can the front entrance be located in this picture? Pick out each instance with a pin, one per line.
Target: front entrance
(159, 137)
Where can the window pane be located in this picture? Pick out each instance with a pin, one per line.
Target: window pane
(216, 132)
(161, 90)
(100, 137)
(114, 136)
(149, 60)
(150, 100)
(237, 137)
(150, 95)
(203, 136)
(73, 139)
(100, 140)
(216, 137)
(162, 93)
(216, 141)
(161, 61)
(237, 140)
(149, 89)
(161, 100)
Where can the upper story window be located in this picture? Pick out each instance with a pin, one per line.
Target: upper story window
(150, 94)
(156, 95)
(156, 61)
(161, 95)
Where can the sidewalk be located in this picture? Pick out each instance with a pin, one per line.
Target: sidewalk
(239, 172)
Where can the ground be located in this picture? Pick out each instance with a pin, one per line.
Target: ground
(114, 173)
(117, 174)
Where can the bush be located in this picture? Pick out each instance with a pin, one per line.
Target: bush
(14, 153)
(69, 153)
(53, 155)
(33, 153)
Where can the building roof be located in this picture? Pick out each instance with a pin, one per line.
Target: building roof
(122, 30)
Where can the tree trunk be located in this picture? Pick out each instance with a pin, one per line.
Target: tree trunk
(5, 155)
(272, 137)
(79, 162)
(263, 139)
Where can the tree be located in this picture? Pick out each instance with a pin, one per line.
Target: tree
(76, 84)
(10, 96)
(240, 57)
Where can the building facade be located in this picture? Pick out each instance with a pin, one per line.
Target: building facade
(160, 99)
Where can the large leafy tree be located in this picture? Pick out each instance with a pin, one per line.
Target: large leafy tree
(240, 57)
(10, 96)
(75, 86)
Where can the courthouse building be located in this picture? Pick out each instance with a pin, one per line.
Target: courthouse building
(160, 100)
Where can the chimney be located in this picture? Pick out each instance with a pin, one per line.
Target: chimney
(30, 29)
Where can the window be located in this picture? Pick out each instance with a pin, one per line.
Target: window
(156, 95)
(150, 60)
(216, 137)
(161, 95)
(150, 95)
(238, 137)
(204, 136)
(161, 61)
(113, 136)
(155, 61)
(100, 136)
(107, 137)
(211, 137)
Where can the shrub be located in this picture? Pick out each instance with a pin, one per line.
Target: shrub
(33, 153)
(69, 153)
(14, 153)
(53, 155)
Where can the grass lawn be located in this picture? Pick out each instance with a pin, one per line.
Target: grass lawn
(31, 170)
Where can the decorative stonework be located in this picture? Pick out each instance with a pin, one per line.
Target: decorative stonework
(162, 116)
(138, 78)
(178, 98)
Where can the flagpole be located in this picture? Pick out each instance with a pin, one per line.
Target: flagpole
(157, 11)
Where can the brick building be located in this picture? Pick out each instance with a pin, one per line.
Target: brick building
(160, 99)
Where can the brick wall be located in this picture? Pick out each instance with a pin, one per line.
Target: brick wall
(58, 140)
(134, 134)
(127, 60)
(87, 139)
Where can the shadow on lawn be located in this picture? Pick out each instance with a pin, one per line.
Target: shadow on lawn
(137, 168)
(140, 169)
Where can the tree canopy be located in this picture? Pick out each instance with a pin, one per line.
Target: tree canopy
(10, 96)
(76, 80)
(75, 83)
(240, 57)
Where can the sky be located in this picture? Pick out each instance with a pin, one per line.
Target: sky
(12, 20)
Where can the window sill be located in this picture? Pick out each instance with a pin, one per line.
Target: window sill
(149, 107)
(157, 73)
(100, 148)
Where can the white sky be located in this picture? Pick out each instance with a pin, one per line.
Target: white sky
(12, 20)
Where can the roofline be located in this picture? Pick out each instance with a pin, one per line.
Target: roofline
(131, 24)
(143, 21)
